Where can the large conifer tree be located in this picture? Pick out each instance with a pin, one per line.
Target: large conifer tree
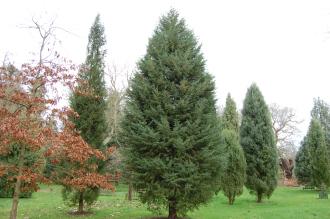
(170, 125)
(257, 140)
(233, 175)
(89, 103)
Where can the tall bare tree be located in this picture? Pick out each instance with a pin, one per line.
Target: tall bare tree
(285, 122)
(46, 56)
(285, 126)
(46, 29)
(119, 79)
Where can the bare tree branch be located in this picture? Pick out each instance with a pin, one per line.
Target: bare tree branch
(285, 122)
(118, 83)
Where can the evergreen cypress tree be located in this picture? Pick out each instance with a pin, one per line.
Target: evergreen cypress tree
(319, 156)
(257, 140)
(321, 112)
(91, 105)
(233, 175)
(170, 123)
(302, 167)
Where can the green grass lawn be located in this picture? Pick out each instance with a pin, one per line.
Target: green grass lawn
(288, 203)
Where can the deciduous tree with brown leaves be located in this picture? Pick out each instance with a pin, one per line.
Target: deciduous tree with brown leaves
(75, 166)
(28, 125)
(25, 121)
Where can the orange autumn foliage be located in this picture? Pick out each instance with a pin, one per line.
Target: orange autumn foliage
(71, 150)
(28, 117)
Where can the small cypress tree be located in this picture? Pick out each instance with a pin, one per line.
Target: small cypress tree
(170, 124)
(257, 140)
(233, 175)
(91, 106)
(319, 156)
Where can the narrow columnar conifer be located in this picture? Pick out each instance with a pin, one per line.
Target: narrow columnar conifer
(234, 171)
(257, 140)
(89, 102)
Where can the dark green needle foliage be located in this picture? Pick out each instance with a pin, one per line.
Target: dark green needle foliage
(233, 176)
(89, 101)
(321, 112)
(302, 168)
(257, 141)
(170, 125)
(234, 172)
(91, 106)
(319, 155)
(230, 118)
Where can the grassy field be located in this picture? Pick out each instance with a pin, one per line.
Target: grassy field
(288, 203)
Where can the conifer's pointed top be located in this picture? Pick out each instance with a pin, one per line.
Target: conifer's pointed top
(254, 86)
(97, 24)
(171, 18)
(254, 90)
(230, 115)
(96, 40)
(228, 98)
(230, 101)
(173, 13)
(97, 21)
(97, 18)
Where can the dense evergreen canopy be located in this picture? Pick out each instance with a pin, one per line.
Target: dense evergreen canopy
(319, 155)
(302, 168)
(257, 140)
(233, 175)
(91, 107)
(170, 125)
(230, 119)
(321, 112)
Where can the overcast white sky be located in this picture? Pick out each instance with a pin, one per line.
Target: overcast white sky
(283, 45)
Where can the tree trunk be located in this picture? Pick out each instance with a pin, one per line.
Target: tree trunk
(172, 214)
(130, 192)
(81, 203)
(17, 191)
(231, 200)
(259, 197)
